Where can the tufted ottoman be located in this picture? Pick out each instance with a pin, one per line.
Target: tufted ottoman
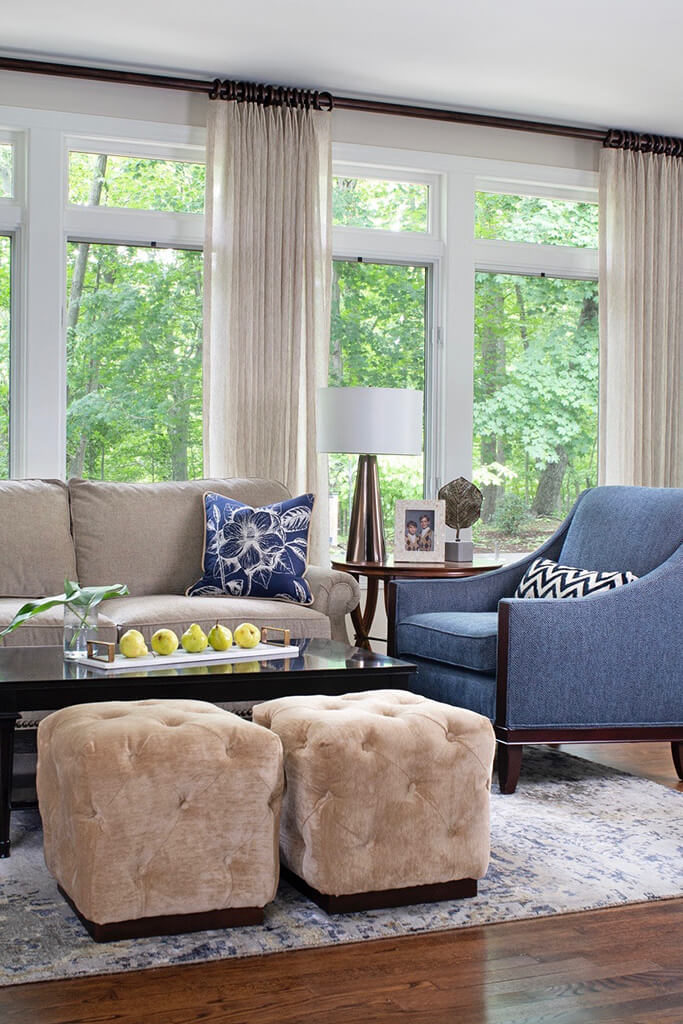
(386, 799)
(160, 816)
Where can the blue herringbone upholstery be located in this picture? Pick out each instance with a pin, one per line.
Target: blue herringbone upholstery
(608, 660)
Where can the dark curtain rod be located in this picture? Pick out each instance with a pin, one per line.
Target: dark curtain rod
(273, 95)
(39, 67)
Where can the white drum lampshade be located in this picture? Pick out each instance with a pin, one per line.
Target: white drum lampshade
(369, 422)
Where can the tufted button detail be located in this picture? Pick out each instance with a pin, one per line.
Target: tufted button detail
(412, 787)
(183, 803)
(451, 737)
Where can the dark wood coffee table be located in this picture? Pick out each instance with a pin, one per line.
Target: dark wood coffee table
(38, 679)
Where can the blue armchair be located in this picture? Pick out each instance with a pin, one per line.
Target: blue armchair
(604, 667)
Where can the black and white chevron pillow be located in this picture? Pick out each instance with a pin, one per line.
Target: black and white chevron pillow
(544, 578)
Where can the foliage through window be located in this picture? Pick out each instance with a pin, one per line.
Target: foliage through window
(134, 362)
(137, 183)
(531, 219)
(535, 403)
(6, 170)
(377, 340)
(383, 205)
(5, 264)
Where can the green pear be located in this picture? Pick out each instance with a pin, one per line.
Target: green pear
(164, 641)
(220, 638)
(194, 639)
(132, 644)
(247, 635)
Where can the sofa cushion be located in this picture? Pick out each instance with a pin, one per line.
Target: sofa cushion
(36, 548)
(150, 536)
(545, 578)
(255, 552)
(465, 639)
(177, 612)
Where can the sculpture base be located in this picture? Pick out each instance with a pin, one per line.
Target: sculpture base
(459, 551)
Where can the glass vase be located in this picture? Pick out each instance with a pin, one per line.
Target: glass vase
(80, 625)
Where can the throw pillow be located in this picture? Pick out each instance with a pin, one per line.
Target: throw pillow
(544, 578)
(255, 552)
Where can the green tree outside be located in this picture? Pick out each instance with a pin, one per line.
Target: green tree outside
(134, 333)
(377, 340)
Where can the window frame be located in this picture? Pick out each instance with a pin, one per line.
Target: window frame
(378, 172)
(43, 139)
(457, 256)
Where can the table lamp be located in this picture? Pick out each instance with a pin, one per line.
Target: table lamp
(381, 421)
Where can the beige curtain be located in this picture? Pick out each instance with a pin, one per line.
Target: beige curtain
(641, 310)
(267, 294)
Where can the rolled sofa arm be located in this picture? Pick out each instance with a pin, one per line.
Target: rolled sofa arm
(605, 660)
(335, 594)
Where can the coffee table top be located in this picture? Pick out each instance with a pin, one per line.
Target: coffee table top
(38, 678)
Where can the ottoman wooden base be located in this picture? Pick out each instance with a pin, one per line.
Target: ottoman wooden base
(460, 889)
(173, 924)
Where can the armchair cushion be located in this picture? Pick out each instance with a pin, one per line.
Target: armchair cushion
(545, 578)
(634, 528)
(463, 639)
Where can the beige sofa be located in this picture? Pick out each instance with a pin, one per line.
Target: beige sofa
(150, 537)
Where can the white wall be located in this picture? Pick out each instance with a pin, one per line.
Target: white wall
(169, 106)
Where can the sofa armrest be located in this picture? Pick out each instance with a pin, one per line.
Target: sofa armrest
(335, 594)
(605, 660)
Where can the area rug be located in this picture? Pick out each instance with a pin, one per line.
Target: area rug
(575, 836)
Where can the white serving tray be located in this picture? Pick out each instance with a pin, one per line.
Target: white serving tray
(120, 663)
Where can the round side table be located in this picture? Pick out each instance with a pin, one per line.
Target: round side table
(390, 570)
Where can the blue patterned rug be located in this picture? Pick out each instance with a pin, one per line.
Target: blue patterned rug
(575, 836)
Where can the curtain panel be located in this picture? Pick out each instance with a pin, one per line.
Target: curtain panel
(641, 331)
(267, 297)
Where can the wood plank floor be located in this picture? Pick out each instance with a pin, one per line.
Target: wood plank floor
(617, 966)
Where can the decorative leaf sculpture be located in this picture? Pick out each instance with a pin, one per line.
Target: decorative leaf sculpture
(463, 503)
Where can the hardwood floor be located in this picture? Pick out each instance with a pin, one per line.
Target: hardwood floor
(617, 966)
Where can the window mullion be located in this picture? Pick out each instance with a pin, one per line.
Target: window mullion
(38, 356)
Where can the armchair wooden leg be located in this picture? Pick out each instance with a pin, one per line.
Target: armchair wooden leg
(677, 754)
(509, 766)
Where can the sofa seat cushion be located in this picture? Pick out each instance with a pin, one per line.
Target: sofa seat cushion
(177, 612)
(464, 639)
(36, 549)
(46, 629)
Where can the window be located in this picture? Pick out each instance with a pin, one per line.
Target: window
(532, 219)
(535, 370)
(134, 315)
(136, 183)
(6, 170)
(380, 204)
(5, 266)
(134, 362)
(377, 340)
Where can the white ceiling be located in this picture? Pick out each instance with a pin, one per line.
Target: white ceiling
(601, 63)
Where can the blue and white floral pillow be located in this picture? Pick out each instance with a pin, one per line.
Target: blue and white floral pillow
(255, 552)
